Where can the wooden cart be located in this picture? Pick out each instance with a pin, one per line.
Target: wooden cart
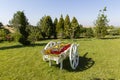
(58, 51)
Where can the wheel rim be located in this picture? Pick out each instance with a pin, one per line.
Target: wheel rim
(73, 56)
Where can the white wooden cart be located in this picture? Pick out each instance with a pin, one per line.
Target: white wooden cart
(71, 52)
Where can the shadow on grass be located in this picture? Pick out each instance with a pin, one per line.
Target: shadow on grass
(21, 46)
(102, 79)
(37, 44)
(84, 64)
(11, 47)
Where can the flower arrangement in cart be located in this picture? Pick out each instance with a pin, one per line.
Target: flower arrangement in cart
(57, 49)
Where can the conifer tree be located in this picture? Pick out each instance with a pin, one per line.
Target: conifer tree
(74, 26)
(60, 27)
(20, 22)
(46, 26)
(54, 28)
(67, 27)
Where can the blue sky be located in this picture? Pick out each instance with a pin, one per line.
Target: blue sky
(86, 11)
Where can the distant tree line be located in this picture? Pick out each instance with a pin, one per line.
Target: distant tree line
(46, 28)
(62, 28)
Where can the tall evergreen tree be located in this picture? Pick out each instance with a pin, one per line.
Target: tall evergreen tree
(40, 25)
(20, 22)
(60, 27)
(54, 28)
(67, 27)
(74, 26)
(46, 26)
(49, 25)
(101, 24)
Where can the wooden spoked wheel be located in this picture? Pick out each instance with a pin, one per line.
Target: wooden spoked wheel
(73, 56)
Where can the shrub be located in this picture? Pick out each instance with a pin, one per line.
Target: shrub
(16, 36)
(23, 41)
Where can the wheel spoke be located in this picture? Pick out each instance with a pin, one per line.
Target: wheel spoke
(73, 63)
(76, 62)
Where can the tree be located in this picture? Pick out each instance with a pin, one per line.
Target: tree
(1, 24)
(54, 28)
(20, 22)
(49, 25)
(46, 26)
(101, 24)
(67, 27)
(74, 26)
(112, 30)
(60, 27)
(77, 31)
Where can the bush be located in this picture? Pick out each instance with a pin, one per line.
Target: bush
(2, 34)
(23, 41)
(9, 38)
(16, 36)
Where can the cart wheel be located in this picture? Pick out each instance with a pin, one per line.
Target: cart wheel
(73, 56)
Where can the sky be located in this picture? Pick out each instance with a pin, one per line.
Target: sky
(86, 11)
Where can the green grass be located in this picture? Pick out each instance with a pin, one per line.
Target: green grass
(99, 60)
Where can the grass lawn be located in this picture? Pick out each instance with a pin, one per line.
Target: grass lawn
(99, 60)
